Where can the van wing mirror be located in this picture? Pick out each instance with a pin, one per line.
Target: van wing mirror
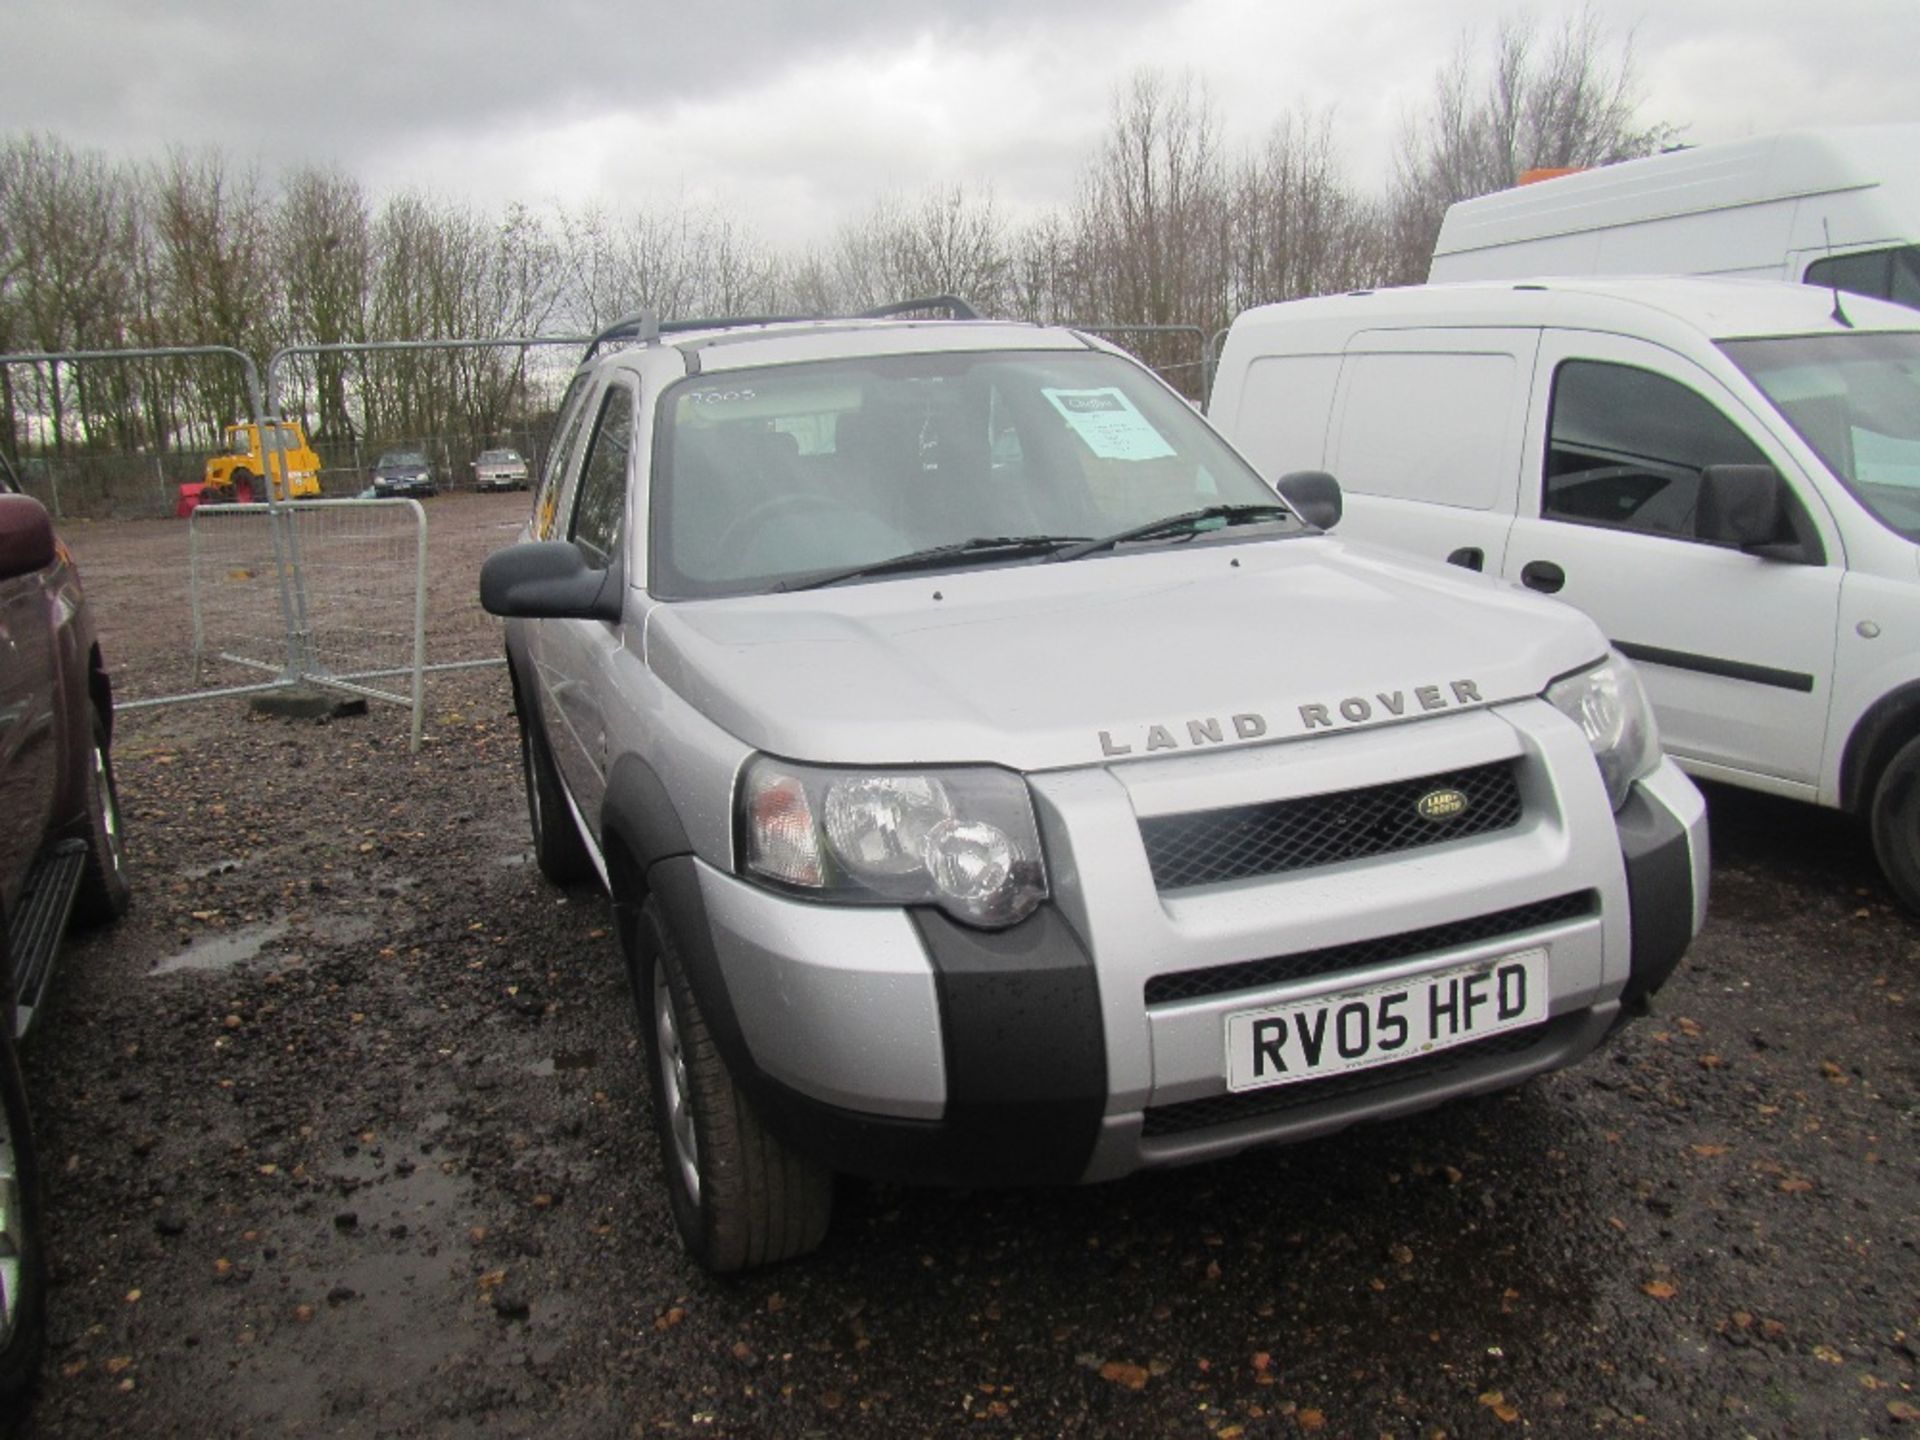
(1314, 496)
(1739, 505)
(26, 536)
(549, 580)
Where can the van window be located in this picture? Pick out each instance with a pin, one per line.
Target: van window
(1625, 448)
(1428, 427)
(1886, 274)
(1855, 398)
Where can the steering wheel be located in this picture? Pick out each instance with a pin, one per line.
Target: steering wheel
(793, 502)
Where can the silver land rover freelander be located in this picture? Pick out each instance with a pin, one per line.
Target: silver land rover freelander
(998, 782)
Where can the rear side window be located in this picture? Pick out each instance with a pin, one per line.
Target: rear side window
(603, 479)
(1430, 427)
(1626, 447)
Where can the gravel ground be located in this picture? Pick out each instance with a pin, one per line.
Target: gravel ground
(345, 1133)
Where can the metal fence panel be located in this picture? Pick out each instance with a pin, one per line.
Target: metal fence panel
(352, 615)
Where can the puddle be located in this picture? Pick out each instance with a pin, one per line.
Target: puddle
(223, 949)
(342, 929)
(563, 1060)
(218, 867)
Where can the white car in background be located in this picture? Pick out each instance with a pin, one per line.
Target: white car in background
(499, 470)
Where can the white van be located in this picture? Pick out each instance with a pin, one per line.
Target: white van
(1838, 206)
(1724, 473)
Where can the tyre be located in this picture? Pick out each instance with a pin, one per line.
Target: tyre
(23, 1279)
(741, 1197)
(104, 886)
(557, 847)
(1896, 824)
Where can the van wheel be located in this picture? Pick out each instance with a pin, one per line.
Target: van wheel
(23, 1276)
(557, 847)
(104, 888)
(741, 1197)
(1896, 824)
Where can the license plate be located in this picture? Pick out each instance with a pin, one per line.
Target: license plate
(1359, 1029)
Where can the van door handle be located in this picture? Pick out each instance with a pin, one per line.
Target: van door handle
(1468, 557)
(1544, 576)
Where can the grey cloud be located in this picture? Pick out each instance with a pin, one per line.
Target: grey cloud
(349, 81)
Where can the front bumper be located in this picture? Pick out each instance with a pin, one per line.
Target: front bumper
(903, 1046)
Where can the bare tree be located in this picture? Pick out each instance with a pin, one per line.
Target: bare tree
(323, 248)
(1151, 227)
(212, 233)
(1574, 102)
(1298, 227)
(65, 276)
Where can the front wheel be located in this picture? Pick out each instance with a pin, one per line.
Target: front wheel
(23, 1280)
(741, 1197)
(104, 888)
(1896, 824)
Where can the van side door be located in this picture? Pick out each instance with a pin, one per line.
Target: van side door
(1425, 439)
(1736, 651)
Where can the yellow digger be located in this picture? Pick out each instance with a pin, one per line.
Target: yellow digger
(234, 474)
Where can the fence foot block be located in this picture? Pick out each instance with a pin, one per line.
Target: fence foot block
(301, 702)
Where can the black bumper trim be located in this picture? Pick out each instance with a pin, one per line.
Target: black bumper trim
(1022, 1036)
(1659, 863)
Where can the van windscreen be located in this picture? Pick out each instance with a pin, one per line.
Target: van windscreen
(1856, 400)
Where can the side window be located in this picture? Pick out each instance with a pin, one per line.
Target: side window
(553, 479)
(603, 479)
(1625, 448)
(1887, 274)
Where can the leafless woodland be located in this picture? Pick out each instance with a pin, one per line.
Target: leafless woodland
(1170, 222)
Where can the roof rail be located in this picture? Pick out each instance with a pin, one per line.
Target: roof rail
(956, 308)
(645, 326)
(729, 322)
(642, 325)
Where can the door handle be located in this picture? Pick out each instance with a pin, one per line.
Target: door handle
(1544, 576)
(1468, 557)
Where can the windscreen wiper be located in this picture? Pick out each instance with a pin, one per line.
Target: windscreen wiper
(1185, 526)
(979, 548)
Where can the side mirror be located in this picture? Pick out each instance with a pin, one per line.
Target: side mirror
(1314, 496)
(26, 536)
(550, 580)
(1739, 505)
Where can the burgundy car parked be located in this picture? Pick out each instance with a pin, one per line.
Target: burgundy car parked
(62, 860)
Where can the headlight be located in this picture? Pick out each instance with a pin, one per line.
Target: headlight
(963, 839)
(1607, 703)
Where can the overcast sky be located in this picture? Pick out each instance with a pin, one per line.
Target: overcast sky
(797, 115)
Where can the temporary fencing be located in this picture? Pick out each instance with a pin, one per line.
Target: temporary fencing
(331, 591)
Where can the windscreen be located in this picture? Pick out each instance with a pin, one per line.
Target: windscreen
(769, 475)
(1856, 400)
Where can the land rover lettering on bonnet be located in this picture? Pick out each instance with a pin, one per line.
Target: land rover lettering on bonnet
(877, 669)
(1252, 725)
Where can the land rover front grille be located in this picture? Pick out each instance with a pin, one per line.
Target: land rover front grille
(1358, 954)
(1208, 846)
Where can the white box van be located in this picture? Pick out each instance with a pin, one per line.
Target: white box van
(1837, 206)
(1725, 474)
